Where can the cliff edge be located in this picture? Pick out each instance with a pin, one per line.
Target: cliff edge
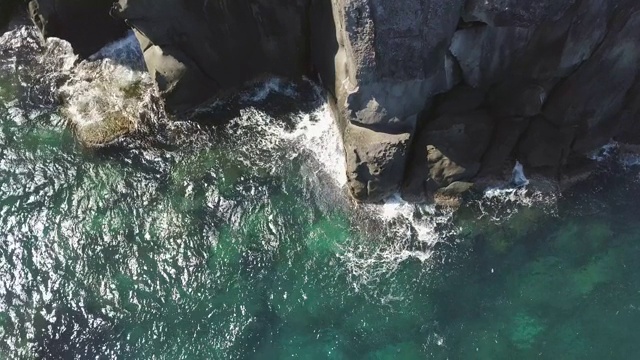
(431, 95)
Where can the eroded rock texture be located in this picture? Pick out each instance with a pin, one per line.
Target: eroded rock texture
(431, 95)
(559, 79)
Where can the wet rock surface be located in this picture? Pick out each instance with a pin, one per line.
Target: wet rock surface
(427, 92)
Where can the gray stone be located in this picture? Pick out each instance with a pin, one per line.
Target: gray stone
(375, 162)
(448, 149)
(392, 58)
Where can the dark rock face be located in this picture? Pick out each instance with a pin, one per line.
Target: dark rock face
(86, 24)
(450, 149)
(375, 161)
(431, 95)
(515, 12)
(198, 49)
(557, 83)
(7, 7)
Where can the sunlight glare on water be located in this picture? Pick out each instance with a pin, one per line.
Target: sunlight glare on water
(185, 240)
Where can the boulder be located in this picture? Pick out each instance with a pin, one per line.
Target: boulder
(375, 162)
(87, 25)
(453, 195)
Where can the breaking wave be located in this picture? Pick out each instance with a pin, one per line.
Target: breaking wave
(110, 97)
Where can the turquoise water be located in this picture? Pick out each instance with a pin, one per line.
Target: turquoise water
(237, 242)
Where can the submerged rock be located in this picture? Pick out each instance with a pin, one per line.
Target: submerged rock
(105, 100)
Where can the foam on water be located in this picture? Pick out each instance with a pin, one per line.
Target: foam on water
(112, 84)
(606, 152)
(102, 98)
(260, 92)
(518, 178)
(106, 97)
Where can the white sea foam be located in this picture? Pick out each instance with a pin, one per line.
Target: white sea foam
(402, 231)
(318, 133)
(261, 91)
(518, 178)
(124, 51)
(107, 93)
(605, 153)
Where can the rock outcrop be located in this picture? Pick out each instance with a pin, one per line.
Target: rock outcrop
(431, 95)
(199, 49)
(86, 24)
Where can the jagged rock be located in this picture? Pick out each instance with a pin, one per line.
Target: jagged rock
(557, 78)
(86, 24)
(515, 12)
(452, 195)
(375, 162)
(448, 149)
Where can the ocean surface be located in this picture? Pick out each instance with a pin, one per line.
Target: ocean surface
(238, 241)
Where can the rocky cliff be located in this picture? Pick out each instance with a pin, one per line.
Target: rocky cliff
(432, 95)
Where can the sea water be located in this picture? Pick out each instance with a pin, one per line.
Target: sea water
(238, 241)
